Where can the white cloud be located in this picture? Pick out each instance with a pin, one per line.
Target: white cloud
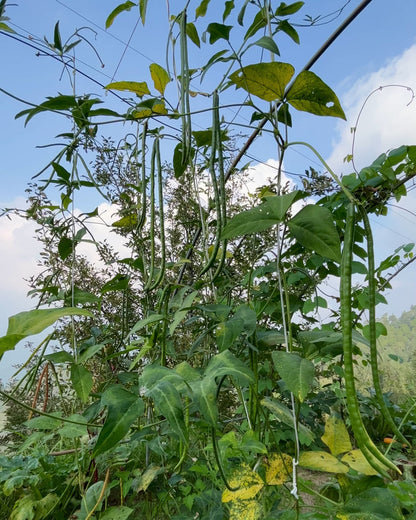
(387, 120)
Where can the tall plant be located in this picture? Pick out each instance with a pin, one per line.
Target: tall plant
(197, 354)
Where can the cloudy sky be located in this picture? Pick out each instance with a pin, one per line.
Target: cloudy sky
(377, 53)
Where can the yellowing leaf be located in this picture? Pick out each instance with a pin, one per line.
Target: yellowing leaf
(139, 88)
(321, 461)
(356, 460)
(336, 436)
(247, 481)
(159, 76)
(148, 477)
(279, 468)
(127, 221)
(267, 81)
(246, 509)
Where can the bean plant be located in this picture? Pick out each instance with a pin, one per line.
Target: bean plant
(187, 375)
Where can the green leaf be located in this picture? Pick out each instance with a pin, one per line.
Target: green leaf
(60, 357)
(321, 461)
(119, 282)
(257, 219)
(168, 403)
(124, 408)
(89, 352)
(183, 311)
(153, 318)
(82, 381)
(160, 77)
(126, 6)
(74, 431)
(283, 414)
(229, 6)
(267, 81)
(154, 374)
(65, 247)
(138, 88)
(296, 372)
(32, 322)
(314, 228)
(57, 42)
(128, 221)
(193, 34)
(286, 10)
(218, 31)
(92, 501)
(57, 103)
(201, 10)
(285, 26)
(336, 436)
(143, 9)
(116, 513)
(6, 28)
(45, 423)
(204, 396)
(310, 94)
(376, 501)
(226, 363)
(267, 42)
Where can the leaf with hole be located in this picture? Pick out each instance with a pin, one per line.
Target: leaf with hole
(270, 212)
(310, 94)
(321, 461)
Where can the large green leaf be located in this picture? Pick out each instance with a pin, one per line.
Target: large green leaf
(314, 228)
(227, 332)
(116, 513)
(227, 364)
(283, 414)
(153, 374)
(376, 501)
(92, 500)
(296, 372)
(168, 403)
(270, 212)
(82, 381)
(310, 94)
(204, 396)
(32, 322)
(267, 81)
(123, 409)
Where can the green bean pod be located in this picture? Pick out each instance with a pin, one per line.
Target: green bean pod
(372, 329)
(375, 458)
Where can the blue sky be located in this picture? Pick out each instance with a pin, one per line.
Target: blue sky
(379, 48)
